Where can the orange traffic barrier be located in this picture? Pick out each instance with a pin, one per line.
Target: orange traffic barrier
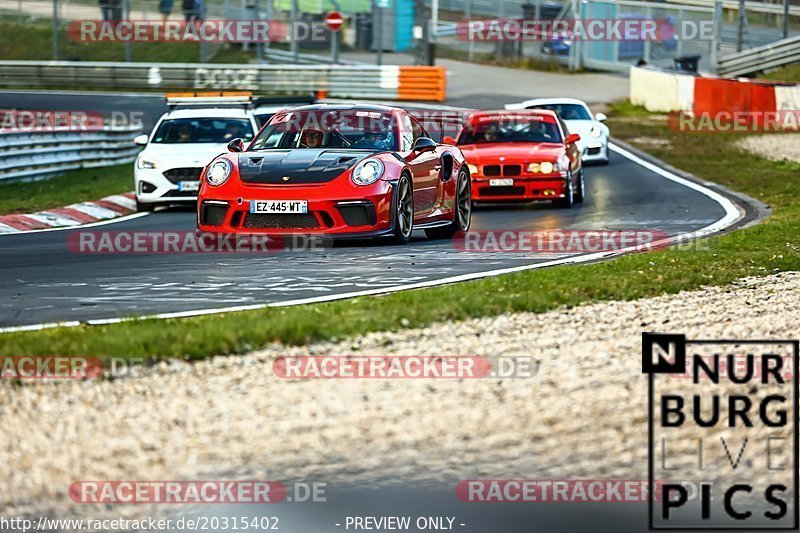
(422, 83)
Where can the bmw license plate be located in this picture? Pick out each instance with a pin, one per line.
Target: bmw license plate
(502, 182)
(188, 185)
(278, 206)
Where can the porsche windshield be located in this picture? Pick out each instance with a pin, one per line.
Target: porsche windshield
(349, 129)
(517, 130)
(566, 111)
(203, 130)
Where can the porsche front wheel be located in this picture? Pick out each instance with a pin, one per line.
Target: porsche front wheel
(403, 211)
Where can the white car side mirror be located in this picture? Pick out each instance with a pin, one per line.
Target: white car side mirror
(600, 117)
(140, 140)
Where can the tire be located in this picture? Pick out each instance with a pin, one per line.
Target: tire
(463, 212)
(403, 211)
(144, 208)
(568, 200)
(581, 194)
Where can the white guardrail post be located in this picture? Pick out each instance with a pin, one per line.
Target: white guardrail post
(40, 154)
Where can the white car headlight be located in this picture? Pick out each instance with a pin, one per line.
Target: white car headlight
(218, 172)
(473, 169)
(368, 172)
(144, 163)
(546, 167)
(596, 131)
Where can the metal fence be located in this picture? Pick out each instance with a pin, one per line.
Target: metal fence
(34, 155)
(761, 24)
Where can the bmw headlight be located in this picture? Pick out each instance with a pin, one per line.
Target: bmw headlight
(596, 131)
(368, 172)
(144, 163)
(545, 167)
(218, 172)
(473, 169)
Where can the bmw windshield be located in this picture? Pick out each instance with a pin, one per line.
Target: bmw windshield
(519, 129)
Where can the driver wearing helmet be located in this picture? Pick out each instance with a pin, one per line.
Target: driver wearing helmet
(311, 138)
(377, 140)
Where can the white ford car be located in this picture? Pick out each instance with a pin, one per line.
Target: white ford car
(579, 119)
(182, 143)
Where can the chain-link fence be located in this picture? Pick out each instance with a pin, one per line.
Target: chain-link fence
(45, 29)
(687, 29)
(40, 30)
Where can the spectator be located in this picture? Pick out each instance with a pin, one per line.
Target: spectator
(199, 10)
(190, 10)
(116, 10)
(165, 8)
(106, 10)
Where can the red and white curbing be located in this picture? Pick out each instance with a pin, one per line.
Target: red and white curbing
(113, 206)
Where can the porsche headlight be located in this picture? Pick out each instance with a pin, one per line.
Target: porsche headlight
(473, 169)
(368, 172)
(218, 172)
(144, 163)
(596, 131)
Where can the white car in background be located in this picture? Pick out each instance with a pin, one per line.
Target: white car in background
(182, 143)
(579, 119)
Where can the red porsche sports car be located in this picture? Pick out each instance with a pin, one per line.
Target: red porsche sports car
(521, 155)
(332, 169)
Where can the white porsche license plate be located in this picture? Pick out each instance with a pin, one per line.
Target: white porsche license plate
(502, 182)
(188, 185)
(278, 206)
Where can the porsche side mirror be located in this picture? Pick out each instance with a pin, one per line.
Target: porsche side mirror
(448, 140)
(140, 140)
(424, 144)
(236, 145)
(572, 138)
(600, 117)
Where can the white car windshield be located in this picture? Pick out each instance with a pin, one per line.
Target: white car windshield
(566, 111)
(203, 130)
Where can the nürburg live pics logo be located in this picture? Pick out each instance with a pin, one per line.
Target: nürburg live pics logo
(722, 433)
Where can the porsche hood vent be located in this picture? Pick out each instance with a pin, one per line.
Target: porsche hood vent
(296, 167)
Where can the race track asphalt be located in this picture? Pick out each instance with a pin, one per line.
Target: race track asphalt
(44, 281)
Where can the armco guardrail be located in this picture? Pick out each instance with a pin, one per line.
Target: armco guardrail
(46, 153)
(340, 81)
(762, 58)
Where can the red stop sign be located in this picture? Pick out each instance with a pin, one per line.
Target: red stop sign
(334, 21)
